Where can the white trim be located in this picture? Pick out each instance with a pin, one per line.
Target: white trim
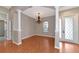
(57, 47)
(69, 41)
(8, 39)
(19, 19)
(27, 36)
(45, 35)
(17, 43)
(57, 44)
(19, 26)
(37, 35)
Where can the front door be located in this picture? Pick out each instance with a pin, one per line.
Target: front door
(67, 32)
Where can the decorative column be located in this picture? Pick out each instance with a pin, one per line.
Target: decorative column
(16, 27)
(19, 27)
(57, 28)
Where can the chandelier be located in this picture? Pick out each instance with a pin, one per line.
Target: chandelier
(38, 18)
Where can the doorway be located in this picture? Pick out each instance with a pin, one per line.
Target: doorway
(66, 28)
(2, 31)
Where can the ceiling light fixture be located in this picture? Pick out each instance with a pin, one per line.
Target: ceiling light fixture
(38, 18)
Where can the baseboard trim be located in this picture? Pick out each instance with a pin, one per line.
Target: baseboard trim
(45, 35)
(8, 39)
(17, 43)
(69, 42)
(37, 35)
(27, 37)
(57, 47)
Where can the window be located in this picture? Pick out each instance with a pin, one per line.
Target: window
(45, 26)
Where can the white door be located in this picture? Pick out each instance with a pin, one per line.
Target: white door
(67, 31)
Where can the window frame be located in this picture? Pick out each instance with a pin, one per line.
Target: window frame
(45, 30)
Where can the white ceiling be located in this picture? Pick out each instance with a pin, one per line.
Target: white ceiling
(22, 8)
(44, 11)
(62, 8)
(32, 11)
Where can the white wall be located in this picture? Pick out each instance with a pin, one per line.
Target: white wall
(27, 26)
(51, 27)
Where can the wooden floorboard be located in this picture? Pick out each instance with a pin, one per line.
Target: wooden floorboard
(68, 47)
(38, 44)
(35, 44)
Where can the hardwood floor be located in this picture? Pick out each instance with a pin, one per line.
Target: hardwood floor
(67, 47)
(35, 44)
(38, 44)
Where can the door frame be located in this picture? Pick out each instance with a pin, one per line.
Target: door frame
(63, 29)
